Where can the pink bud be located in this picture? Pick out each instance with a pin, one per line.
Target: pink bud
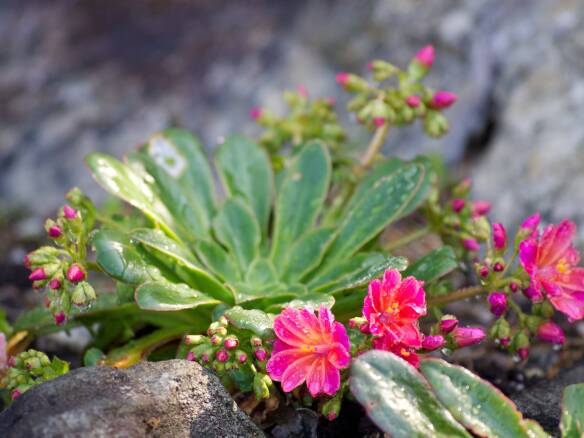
(413, 101)
(458, 204)
(260, 354)
(531, 223)
(431, 343)
(190, 356)
(551, 332)
(352, 323)
(480, 208)
(205, 357)
(59, 318)
(484, 271)
(513, 287)
(499, 236)
(231, 343)
(26, 261)
(75, 273)
(379, 121)
(342, 78)
(331, 416)
(302, 90)
(523, 353)
(69, 212)
(425, 56)
(471, 244)
(55, 284)
(465, 336)
(242, 358)
(15, 393)
(447, 324)
(222, 355)
(505, 341)
(443, 99)
(38, 275)
(55, 232)
(498, 267)
(498, 303)
(364, 328)
(255, 113)
(533, 294)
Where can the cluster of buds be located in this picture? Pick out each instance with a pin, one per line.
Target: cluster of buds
(382, 104)
(30, 368)
(228, 350)
(460, 221)
(60, 269)
(307, 119)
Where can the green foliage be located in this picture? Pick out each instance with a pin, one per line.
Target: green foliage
(572, 424)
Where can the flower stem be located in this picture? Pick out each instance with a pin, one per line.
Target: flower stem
(415, 235)
(374, 146)
(460, 294)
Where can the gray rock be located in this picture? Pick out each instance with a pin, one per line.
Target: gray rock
(163, 399)
(543, 402)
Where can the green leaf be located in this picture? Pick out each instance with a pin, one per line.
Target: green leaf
(388, 199)
(218, 260)
(261, 273)
(475, 403)
(356, 272)
(120, 259)
(92, 357)
(313, 301)
(128, 185)
(255, 320)
(306, 254)
(301, 196)
(572, 424)
(157, 241)
(164, 296)
(246, 172)
(236, 227)
(398, 399)
(433, 265)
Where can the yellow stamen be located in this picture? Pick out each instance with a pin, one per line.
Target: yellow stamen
(563, 267)
(404, 352)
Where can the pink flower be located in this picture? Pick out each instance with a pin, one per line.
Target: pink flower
(499, 236)
(309, 348)
(443, 99)
(498, 303)
(458, 204)
(465, 336)
(425, 56)
(392, 308)
(413, 101)
(550, 260)
(404, 351)
(480, 208)
(551, 332)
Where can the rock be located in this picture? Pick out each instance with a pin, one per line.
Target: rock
(543, 401)
(174, 398)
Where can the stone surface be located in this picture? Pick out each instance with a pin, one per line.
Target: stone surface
(162, 399)
(543, 402)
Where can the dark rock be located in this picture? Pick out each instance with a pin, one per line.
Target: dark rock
(175, 398)
(543, 401)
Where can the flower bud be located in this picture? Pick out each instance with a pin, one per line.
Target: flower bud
(379, 121)
(260, 386)
(342, 78)
(458, 204)
(447, 324)
(55, 231)
(531, 223)
(255, 341)
(499, 236)
(443, 99)
(331, 408)
(231, 343)
(38, 275)
(425, 56)
(500, 329)
(241, 356)
(16, 393)
(523, 353)
(498, 267)
(465, 336)
(431, 343)
(216, 340)
(480, 208)
(413, 101)
(498, 303)
(484, 271)
(82, 294)
(351, 82)
(520, 340)
(195, 339)
(69, 212)
(513, 287)
(190, 356)
(223, 321)
(26, 261)
(533, 294)
(260, 354)
(255, 113)
(75, 273)
(505, 341)
(222, 355)
(59, 318)
(471, 244)
(551, 332)
(55, 284)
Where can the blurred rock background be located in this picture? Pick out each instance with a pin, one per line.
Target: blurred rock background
(83, 75)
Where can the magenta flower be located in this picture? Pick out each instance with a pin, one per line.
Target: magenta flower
(551, 332)
(309, 348)
(404, 351)
(499, 236)
(498, 303)
(392, 308)
(425, 56)
(550, 260)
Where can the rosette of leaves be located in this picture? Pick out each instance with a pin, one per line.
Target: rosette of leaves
(267, 240)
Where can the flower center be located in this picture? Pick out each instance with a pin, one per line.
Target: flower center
(393, 309)
(563, 266)
(404, 353)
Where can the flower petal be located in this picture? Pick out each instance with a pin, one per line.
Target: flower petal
(528, 255)
(340, 335)
(280, 361)
(315, 377)
(332, 380)
(296, 373)
(555, 241)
